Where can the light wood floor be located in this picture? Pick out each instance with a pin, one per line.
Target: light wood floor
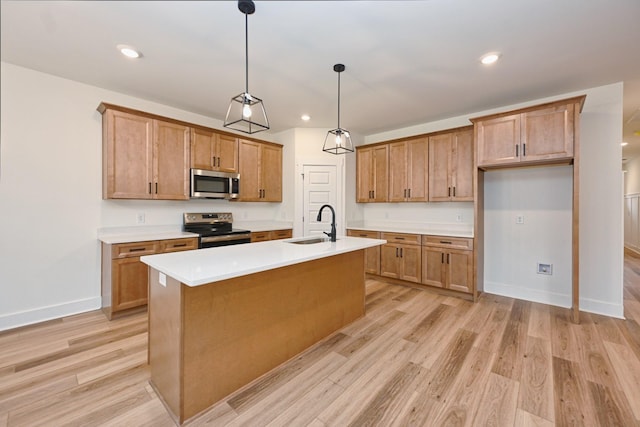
(415, 359)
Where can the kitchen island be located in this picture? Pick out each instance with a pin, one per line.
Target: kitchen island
(221, 317)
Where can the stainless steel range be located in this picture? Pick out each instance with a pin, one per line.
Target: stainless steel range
(215, 229)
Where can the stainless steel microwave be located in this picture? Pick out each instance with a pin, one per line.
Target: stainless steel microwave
(214, 185)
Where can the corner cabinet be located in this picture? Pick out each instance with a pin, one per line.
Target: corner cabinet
(408, 170)
(213, 151)
(543, 134)
(372, 173)
(260, 167)
(143, 157)
(451, 166)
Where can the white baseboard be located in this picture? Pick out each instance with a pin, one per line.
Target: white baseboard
(42, 314)
(603, 308)
(528, 294)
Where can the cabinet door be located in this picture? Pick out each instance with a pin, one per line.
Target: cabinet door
(371, 255)
(411, 260)
(226, 153)
(280, 234)
(398, 172)
(202, 149)
(248, 160)
(271, 173)
(127, 156)
(462, 166)
(390, 261)
(260, 236)
(460, 270)
(380, 173)
(129, 283)
(548, 133)
(417, 171)
(498, 140)
(439, 167)
(177, 245)
(364, 174)
(171, 161)
(433, 267)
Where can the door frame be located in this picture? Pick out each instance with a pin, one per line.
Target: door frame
(298, 211)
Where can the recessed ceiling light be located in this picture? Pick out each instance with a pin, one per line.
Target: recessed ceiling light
(489, 58)
(305, 117)
(624, 144)
(129, 51)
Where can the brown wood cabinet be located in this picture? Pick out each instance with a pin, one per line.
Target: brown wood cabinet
(371, 255)
(400, 257)
(451, 166)
(125, 277)
(448, 263)
(372, 173)
(541, 134)
(260, 166)
(213, 151)
(144, 158)
(263, 236)
(408, 170)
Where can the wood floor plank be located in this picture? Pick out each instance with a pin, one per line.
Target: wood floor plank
(508, 362)
(573, 405)
(610, 409)
(536, 384)
(594, 360)
(498, 403)
(148, 414)
(563, 342)
(376, 329)
(627, 369)
(539, 321)
(418, 411)
(525, 419)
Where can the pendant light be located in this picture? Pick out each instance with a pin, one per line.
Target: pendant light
(338, 141)
(246, 112)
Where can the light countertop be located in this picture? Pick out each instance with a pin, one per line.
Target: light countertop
(257, 226)
(114, 235)
(198, 267)
(450, 230)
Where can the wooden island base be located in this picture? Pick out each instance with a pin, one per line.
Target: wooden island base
(207, 341)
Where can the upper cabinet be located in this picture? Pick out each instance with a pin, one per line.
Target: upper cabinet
(213, 151)
(143, 157)
(260, 166)
(536, 135)
(408, 164)
(451, 166)
(372, 173)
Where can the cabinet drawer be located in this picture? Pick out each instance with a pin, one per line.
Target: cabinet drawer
(408, 239)
(175, 245)
(281, 234)
(124, 250)
(364, 233)
(260, 236)
(447, 242)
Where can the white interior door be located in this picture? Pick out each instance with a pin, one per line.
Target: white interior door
(320, 187)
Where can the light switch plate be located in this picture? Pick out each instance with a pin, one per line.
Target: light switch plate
(520, 219)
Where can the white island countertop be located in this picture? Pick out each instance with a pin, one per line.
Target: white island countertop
(202, 266)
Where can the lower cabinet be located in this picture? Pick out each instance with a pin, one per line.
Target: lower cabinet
(125, 277)
(401, 257)
(371, 255)
(263, 236)
(448, 263)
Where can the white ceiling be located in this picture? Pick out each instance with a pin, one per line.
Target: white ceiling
(407, 62)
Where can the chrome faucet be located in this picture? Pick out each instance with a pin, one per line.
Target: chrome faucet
(332, 235)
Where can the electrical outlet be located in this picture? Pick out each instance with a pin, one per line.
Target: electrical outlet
(520, 219)
(140, 218)
(458, 217)
(545, 269)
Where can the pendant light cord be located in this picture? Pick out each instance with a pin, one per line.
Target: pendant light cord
(338, 100)
(246, 52)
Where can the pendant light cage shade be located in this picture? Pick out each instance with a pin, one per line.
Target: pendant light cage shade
(338, 141)
(246, 114)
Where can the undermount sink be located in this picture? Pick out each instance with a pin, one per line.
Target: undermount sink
(310, 241)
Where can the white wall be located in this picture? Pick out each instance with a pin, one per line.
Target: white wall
(50, 194)
(601, 241)
(632, 176)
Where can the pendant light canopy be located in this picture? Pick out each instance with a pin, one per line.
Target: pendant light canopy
(338, 141)
(246, 112)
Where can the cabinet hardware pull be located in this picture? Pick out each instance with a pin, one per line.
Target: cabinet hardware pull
(524, 150)
(213, 161)
(442, 258)
(445, 242)
(405, 193)
(449, 191)
(181, 245)
(454, 191)
(399, 238)
(156, 188)
(397, 252)
(149, 188)
(362, 235)
(409, 193)
(516, 150)
(400, 252)
(373, 194)
(448, 258)
(136, 249)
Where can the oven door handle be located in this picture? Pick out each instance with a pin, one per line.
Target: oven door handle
(225, 238)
